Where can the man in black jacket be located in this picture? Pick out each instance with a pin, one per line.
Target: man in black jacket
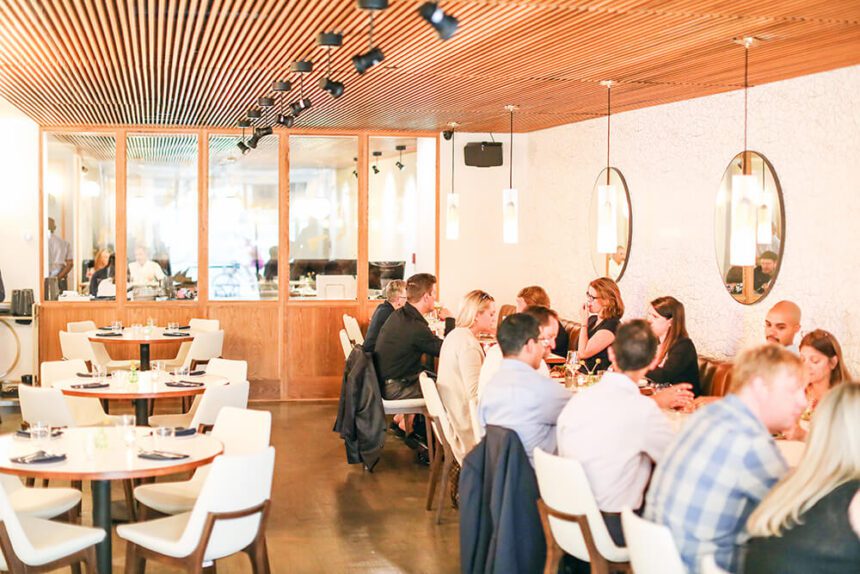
(406, 338)
(395, 298)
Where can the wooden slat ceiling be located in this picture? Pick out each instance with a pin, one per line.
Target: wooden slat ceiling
(204, 63)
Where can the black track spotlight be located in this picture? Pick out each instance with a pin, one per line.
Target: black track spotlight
(375, 166)
(259, 133)
(355, 170)
(286, 120)
(444, 24)
(255, 114)
(332, 87)
(364, 62)
(299, 106)
(374, 55)
(281, 86)
(329, 40)
(241, 145)
(399, 162)
(265, 102)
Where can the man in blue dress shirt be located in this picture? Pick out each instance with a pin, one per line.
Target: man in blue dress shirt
(518, 397)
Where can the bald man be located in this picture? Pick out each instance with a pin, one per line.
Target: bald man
(782, 324)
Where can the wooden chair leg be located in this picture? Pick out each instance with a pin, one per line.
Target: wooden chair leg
(76, 567)
(553, 550)
(128, 488)
(134, 563)
(259, 556)
(446, 470)
(435, 464)
(90, 560)
(30, 481)
(211, 569)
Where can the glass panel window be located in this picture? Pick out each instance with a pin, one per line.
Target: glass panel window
(161, 201)
(402, 210)
(243, 220)
(323, 217)
(79, 179)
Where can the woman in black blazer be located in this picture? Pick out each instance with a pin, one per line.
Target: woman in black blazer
(677, 360)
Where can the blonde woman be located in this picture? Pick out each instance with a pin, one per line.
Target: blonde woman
(805, 523)
(460, 365)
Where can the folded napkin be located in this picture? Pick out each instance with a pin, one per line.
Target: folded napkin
(161, 455)
(106, 328)
(196, 373)
(185, 327)
(181, 431)
(38, 457)
(109, 334)
(84, 375)
(90, 386)
(183, 384)
(26, 433)
(167, 334)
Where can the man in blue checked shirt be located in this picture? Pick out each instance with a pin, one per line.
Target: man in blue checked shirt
(725, 460)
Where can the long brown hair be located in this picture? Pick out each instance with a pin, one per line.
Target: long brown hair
(827, 345)
(607, 290)
(534, 295)
(672, 309)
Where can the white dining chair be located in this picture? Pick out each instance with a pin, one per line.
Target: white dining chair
(197, 325)
(568, 507)
(445, 434)
(41, 502)
(32, 544)
(708, 565)
(213, 399)
(86, 412)
(78, 346)
(45, 405)
(80, 326)
(477, 429)
(652, 549)
(232, 370)
(228, 517)
(353, 330)
(345, 343)
(206, 345)
(241, 431)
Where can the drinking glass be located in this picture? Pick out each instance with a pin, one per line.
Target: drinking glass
(161, 437)
(150, 322)
(157, 370)
(39, 433)
(100, 373)
(181, 372)
(127, 424)
(117, 326)
(172, 326)
(135, 329)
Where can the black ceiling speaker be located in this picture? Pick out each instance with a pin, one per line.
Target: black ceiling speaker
(483, 154)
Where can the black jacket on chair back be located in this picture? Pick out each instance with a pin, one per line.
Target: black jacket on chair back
(500, 527)
(360, 416)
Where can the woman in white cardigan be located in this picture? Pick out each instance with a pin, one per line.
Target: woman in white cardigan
(460, 366)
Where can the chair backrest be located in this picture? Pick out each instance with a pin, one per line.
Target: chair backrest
(709, 566)
(436, 408)
(353, 331)
(234, 371)
(564, 487)
(80, 326)
(216, 397)
(476, 422)
(46, 405)
(205, 346)
(234, 482)
(85, 411)
(204, 324)
(53, 371)
(652, 549)
(242, 430)
(76, 346)
(345, 343)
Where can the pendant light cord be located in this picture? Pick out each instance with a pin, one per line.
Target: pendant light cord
(453, 151)
(511, 172)
(370, 35)
(746, 87)
(608, 120)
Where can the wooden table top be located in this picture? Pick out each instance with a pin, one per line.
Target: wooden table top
(156, 335)
(147, 387)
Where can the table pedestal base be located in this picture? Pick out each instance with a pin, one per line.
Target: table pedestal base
(101, 519)
(144, 356)
(141, 412)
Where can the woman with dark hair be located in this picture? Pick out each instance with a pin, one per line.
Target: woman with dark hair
(677, 361)
(823, 366)
(600, 318)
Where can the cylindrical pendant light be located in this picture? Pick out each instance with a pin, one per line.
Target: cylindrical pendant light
(510, 198)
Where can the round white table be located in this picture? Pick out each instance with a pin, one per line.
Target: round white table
(143, 336)
(113, 461)
(147, 388)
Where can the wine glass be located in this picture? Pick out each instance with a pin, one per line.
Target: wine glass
(39, 433)
(161, 437)
(127, 424)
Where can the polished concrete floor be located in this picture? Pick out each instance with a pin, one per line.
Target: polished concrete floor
(328, 516)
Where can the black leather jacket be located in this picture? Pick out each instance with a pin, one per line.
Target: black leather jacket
(360, 416)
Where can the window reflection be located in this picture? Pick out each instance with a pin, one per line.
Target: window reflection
(80, 207)
(161, 201)
(402, 209)
(243, 220)
(323, 217)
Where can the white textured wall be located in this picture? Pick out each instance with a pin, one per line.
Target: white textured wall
(19, 228)
(673, 157)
